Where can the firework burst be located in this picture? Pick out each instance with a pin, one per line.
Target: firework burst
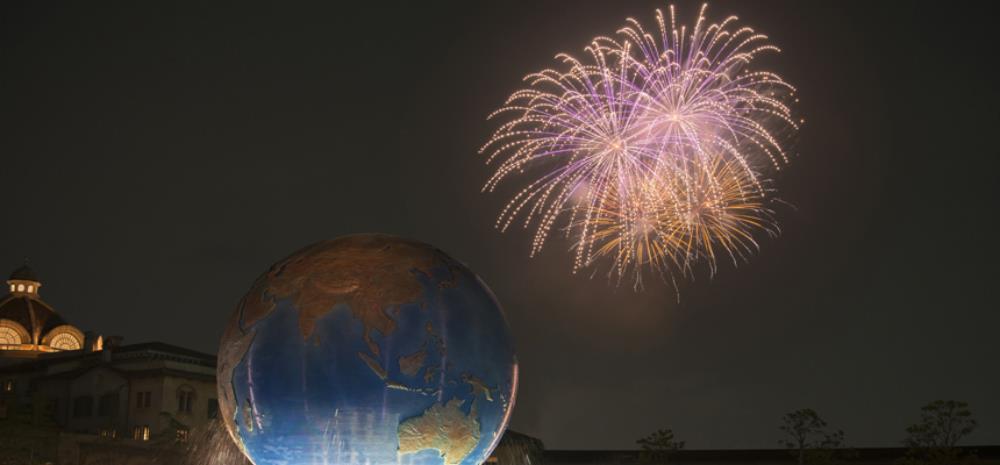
(675, 223)
(652, 152)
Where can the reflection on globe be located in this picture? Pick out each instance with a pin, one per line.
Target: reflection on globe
(367, 349)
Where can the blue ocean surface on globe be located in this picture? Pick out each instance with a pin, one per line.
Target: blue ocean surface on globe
(367, 349)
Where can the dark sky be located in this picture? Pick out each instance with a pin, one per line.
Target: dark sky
(158, 156)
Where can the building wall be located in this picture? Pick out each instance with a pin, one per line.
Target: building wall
(20, 384)
(90, 387)
(12, 357)
(12, 393)
(54, 394)
(141, 415)
(69, 391)
(85, 449)
(204, 393)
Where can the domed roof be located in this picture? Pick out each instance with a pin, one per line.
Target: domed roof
(24, 273)
(20, 307)
(24, 306)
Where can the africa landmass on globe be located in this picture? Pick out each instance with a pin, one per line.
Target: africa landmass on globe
(365, 345)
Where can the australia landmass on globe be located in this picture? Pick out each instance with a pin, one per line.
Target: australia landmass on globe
(443, 428)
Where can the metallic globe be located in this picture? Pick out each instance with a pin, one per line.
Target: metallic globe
(367, 349)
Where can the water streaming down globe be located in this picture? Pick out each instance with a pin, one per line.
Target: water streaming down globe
(367, 349)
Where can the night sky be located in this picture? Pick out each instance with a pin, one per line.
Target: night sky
(158, 156)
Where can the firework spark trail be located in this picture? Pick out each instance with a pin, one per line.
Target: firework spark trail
(652, 152)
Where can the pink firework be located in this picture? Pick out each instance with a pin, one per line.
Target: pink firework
(653, 152)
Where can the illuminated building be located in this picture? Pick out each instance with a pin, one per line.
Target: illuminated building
(30, 327)
(93, 390)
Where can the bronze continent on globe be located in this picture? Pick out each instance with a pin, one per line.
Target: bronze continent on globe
(443, 428)
(352, 270)
(362, 271)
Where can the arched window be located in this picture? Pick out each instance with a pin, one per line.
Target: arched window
(12, 333)
(9, 336)
(65, 341)
(20, 288)
(64, 337)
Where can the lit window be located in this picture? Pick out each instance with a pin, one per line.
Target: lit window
(141, 433)
(20, 288)
(65, 341)
(182, 435)
(31, 288)
(8, 385)
(9, 336)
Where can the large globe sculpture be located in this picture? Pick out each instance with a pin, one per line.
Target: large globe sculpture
(367, 349)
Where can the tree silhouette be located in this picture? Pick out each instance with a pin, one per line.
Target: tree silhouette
(657, 447)
(809, 439)
(934, 439)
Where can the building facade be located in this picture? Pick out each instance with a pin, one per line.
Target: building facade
(142, 391)
(78, 386)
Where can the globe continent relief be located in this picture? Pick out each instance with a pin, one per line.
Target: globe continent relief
(367, 349)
